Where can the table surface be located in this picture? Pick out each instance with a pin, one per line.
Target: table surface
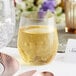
(59, 66)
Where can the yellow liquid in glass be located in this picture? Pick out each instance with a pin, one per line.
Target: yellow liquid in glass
(37, 45)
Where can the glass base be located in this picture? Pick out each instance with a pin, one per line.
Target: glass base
(70, 30)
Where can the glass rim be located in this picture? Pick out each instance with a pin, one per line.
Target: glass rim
(32, 18)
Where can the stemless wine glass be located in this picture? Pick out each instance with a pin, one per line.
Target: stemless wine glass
(37, 40)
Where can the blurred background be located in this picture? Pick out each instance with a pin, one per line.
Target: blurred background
(20, 7)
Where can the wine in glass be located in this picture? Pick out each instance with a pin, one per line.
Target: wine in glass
(37, 40)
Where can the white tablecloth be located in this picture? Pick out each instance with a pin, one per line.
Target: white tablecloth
(59, 67)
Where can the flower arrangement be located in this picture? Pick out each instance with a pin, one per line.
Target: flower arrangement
(38, 8)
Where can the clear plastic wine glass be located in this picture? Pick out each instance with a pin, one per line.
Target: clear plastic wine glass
(37, 39)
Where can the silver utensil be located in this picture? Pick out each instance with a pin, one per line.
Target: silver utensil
(9, 64)
(35, 73)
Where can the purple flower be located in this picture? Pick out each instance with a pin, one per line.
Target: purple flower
(47, 5)
(41, 13)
